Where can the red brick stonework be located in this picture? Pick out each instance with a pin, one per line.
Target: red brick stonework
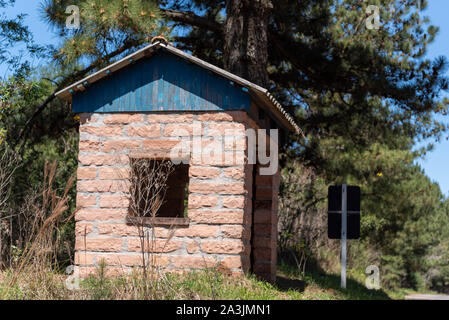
(223, 230)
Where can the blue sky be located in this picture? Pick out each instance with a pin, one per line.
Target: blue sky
(436, 162)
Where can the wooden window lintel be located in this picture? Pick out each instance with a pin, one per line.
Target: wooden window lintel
(155, 155)
(158, 221)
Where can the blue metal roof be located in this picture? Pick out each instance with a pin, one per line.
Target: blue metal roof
(162, 82)
(183, 88)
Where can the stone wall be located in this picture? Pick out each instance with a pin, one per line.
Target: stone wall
(265, 226)
(219, 202)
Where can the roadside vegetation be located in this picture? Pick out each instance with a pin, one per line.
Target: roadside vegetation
(369, 102)
(201, 285)
(207, 284)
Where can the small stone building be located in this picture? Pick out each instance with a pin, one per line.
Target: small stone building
(220, 211)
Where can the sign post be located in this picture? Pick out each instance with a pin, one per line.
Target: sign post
(344, 219)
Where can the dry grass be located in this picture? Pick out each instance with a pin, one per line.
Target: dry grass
(9, 161)
(34, 273)
(42, 235)
(208, 284)
(148, 186)
(204, 285)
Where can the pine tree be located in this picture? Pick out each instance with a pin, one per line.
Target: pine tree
(106, 28)
(12, 32)
(342, 81)
(362, 96)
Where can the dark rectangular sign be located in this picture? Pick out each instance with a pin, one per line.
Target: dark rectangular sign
(334, 212)
(334, 226)
(334, 198)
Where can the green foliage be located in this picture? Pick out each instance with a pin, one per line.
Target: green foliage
(437, 275)
(404, 222)
(362, 97)
(13, 33)
(342, 80)
(105, 26)
(410, 218)
(53, 138)
(205, 284)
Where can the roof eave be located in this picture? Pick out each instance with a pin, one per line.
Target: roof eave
(66, 93)
(275, 106)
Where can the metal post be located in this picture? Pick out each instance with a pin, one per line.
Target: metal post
(344, 216)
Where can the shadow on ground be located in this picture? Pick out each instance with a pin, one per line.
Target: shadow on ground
(354, 289)
(316, 277)
(286, 284)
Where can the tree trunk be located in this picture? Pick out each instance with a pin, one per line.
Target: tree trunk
(246, 40)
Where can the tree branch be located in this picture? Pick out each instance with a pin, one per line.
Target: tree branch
(24, 132)
(186, 17)
(192, 19)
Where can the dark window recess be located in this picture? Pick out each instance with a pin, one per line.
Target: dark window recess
(159, 187)
(177, 195)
